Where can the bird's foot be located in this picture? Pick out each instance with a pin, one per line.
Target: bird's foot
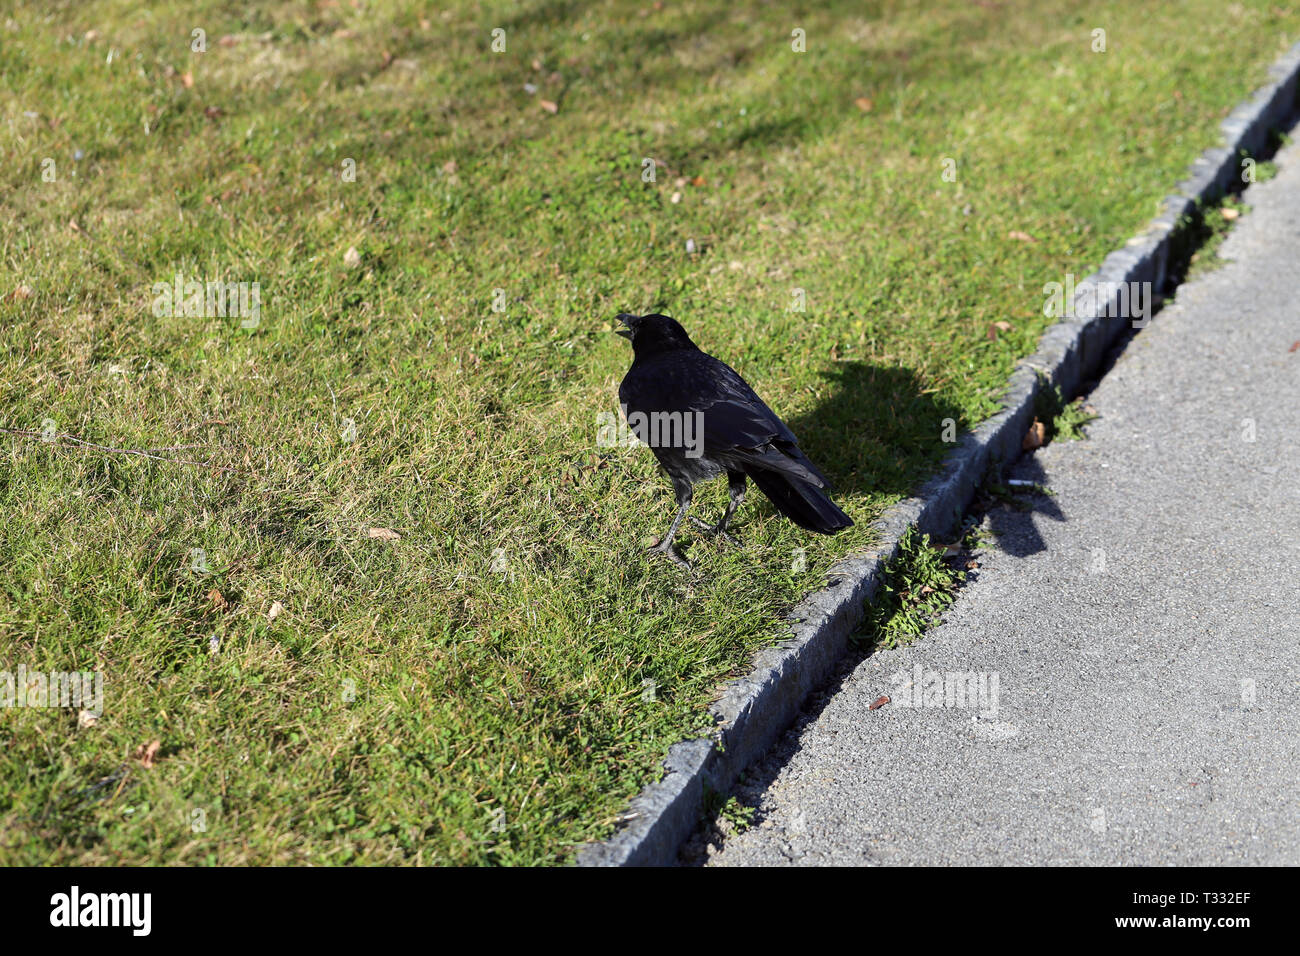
(671, 553)
(713, 531)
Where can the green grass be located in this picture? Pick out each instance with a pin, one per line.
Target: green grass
(1217, 220)
(1062, 420)
(722, 810)
(920, 583)
(1069, 424)
(493, 685)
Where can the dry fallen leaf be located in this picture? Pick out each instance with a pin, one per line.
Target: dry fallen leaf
(352, 258)
(1294, 345)
(384, 534)
(213, 112)
(148, 753)
(187, 79)
(1229, 213)
(864, 104)
(880, 702)
(276, 610)
(25, 292)
(218, 600)
(1019, 236)
(1002, 326)
(549, 106)
(697, 181)
(1035, 437)
(85, 719)
(675, 198)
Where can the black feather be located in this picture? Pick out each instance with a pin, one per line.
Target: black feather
(739, 435)
(804, 504)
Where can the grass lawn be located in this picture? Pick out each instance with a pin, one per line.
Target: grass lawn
(491, 681)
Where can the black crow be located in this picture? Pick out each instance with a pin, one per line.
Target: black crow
(702, 420)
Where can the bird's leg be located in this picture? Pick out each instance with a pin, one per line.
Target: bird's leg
(666, 545)
(736, 491)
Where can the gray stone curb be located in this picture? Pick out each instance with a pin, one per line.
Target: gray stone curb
(757, 708)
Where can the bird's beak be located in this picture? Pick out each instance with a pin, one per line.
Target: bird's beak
(626, 318)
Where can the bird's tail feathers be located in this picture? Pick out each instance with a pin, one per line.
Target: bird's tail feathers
(787, 459)
(803, 503)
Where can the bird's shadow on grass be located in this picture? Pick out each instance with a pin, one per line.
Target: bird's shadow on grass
(876, 432)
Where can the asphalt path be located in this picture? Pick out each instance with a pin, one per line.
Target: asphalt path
(1127, 653)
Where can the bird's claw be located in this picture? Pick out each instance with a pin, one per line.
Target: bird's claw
(671, 553)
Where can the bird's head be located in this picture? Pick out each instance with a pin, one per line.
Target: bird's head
(653, 333)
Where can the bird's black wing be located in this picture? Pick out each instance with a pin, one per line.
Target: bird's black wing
(738, 427)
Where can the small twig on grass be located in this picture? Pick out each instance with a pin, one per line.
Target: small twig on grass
(57, 442)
